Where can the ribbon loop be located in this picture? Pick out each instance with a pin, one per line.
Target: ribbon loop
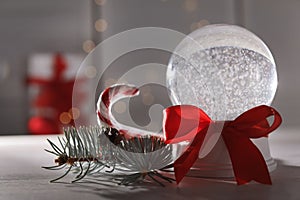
(254, 122)
(182, 123)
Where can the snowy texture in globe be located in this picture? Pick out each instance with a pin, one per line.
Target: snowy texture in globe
(224, 70)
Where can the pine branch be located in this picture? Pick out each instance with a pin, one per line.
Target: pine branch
(78, 147)
(100, 151)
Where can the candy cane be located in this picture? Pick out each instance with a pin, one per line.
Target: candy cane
(105, 102)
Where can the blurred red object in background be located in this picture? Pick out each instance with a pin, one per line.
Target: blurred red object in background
(41, 125)
(52, 105)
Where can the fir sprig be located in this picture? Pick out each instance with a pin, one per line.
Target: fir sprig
(79, 149)
(102, 150)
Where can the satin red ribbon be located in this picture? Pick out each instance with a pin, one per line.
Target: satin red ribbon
(186, 122)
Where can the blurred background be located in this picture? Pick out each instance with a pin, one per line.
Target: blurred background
(43, 43)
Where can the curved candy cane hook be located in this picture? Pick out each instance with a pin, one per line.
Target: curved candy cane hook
(105, 102)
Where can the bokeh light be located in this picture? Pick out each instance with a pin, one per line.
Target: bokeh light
(100, 2)
(90, 71)
(120, 107)
(101, 25)
(190, 5)
(88, 46)
(148, 99)
(65, 117)
(199, 24)
(74, 113)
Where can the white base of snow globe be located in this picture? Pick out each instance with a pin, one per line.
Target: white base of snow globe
(217, 163)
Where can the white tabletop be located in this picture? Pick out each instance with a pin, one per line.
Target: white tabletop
(21, 176)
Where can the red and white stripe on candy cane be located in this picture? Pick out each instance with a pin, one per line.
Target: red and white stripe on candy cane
(105, 102)
(108, 97)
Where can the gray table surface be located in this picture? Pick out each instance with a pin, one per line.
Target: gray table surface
(21, 176)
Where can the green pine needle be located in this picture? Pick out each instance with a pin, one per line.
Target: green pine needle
(101, 151)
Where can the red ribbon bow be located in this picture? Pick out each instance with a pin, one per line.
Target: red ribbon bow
(188, 122)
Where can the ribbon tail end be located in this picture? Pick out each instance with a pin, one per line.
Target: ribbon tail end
(266, 181)
(180, 174)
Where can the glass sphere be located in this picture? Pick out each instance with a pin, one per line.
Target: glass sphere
(222, 69)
